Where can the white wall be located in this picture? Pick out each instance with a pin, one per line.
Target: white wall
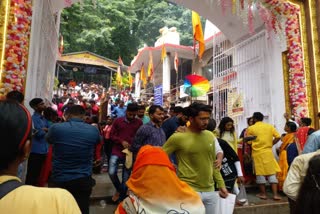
(261, 80)
(257, 62)
(273, 57)
(42, 52)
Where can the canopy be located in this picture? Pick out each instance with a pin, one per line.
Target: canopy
(88, 58)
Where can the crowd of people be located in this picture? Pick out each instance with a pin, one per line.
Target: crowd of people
(181, 149)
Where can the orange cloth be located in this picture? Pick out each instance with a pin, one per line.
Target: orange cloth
(155, 188)
(198, 33)
(143, 77)
(283, 162)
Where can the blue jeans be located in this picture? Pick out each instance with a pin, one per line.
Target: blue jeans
(113, 174)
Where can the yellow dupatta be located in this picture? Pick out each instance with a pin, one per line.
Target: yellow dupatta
(283, 163)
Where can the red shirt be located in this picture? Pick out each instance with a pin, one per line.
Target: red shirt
(95, 110)
(123, 130)
(107, 131)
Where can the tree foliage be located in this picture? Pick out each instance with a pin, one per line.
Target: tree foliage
(120, 27)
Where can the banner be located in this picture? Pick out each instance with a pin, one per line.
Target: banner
(158, 95)
(235, 103)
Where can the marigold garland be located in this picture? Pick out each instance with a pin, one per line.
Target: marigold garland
(17, 47)
(275, 14)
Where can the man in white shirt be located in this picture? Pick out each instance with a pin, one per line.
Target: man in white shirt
(295, 177)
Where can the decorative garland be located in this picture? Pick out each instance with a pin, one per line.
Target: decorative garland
(17, 47)
(283, 11)
(297, 82)
(275, 14)
(3, 6)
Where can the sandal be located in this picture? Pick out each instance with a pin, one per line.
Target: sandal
(263, 197)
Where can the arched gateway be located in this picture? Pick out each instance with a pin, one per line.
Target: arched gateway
(289, 57)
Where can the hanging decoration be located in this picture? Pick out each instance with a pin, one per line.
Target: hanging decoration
(14, 66)
(297, 82)
(68, 3)
(281, 17)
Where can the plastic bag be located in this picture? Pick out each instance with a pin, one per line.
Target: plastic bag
(225, 205)
(129, 158)
(242, 196)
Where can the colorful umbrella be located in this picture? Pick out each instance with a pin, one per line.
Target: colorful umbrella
(195, 85)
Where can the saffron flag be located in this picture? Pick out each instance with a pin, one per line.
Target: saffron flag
(176, 62)
(150, 67)
(119, 77)
(143, 77)
(163, 52)
(197, 33)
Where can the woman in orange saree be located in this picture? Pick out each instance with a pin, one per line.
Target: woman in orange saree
(289, 138)
(155, 188)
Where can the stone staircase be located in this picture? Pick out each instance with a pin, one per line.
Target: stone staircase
(104, 189)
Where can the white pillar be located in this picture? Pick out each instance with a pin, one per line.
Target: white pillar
(166, 75)
(31, 84)
(137, 85)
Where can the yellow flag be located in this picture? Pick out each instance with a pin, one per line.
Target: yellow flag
(143, 77)
(130, 79)
(150, 67)
(197, 32)
(163, 52)
(119, 77)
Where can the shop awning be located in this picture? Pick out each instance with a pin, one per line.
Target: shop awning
(88, 58)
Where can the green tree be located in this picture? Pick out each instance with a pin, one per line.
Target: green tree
(119, 27)
(103, 30)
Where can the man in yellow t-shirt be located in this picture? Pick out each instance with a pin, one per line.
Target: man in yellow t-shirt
(15, 135)
(195, 152)
(264, 162)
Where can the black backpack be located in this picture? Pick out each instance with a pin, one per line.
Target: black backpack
(8, 186)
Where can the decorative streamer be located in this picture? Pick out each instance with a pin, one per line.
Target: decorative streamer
(274, 14)
(250, 19)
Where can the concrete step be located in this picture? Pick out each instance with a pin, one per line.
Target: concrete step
(104, 190)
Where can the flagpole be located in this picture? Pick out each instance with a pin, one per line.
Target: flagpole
(110, 79)
(177, 87)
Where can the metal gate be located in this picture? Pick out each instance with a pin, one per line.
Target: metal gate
(240, 80)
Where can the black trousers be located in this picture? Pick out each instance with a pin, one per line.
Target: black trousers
(230, 183)
(35, 164)
(292, 206)
(107, 147)
(80, 188)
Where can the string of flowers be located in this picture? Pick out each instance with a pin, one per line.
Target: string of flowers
(17, 47)
(275, 14)
(282, 10)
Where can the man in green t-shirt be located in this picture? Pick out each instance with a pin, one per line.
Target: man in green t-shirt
(195, 152)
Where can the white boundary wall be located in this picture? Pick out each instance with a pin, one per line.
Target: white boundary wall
(43, 51)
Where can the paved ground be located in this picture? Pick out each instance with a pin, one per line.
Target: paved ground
(104, 189)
